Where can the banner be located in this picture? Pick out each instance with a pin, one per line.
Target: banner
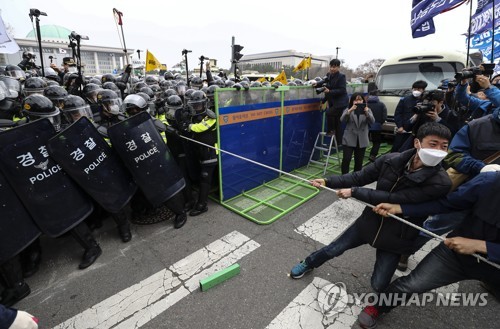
(7, 45)
(281, 78)
(482, 42)
(423, 11)
(151, 62)
(305, 63)
(4, 36)
(482, 20)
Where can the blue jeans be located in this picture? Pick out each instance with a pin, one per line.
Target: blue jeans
(385, 264)
(441, 267)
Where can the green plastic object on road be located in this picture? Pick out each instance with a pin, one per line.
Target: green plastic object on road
(219, 277)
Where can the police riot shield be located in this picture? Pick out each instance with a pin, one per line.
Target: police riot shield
(87, 158)
(17, 229)
(147, 157)
(54, 201)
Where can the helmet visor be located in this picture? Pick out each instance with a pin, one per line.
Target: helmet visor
(72, 115)
(53, 117)
(31, 91)
(16, 74)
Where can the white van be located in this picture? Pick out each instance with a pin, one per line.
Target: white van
(397, 74)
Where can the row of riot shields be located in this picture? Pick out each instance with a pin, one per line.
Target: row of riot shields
(48, 179)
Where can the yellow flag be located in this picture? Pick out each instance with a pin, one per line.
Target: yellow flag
(151, 62)
(305, 63)
(261, 79)
(281, 78)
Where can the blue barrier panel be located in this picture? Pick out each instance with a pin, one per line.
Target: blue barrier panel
(252, 130)
(250, 126)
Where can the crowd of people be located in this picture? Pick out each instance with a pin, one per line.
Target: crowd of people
(451, 127)
(177, 107)
(442, 174)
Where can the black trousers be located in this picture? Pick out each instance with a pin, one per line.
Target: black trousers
(347, 152)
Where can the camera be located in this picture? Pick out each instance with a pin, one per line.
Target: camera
(320, 90)
(423, 107)
(36, 13)
(486, 69)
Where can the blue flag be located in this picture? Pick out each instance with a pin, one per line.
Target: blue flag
(423, 11)
(482, 42)
(482, 19)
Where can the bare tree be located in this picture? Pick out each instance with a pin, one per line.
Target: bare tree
(369, 68)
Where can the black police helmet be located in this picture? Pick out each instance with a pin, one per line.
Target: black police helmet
(34, 85)
(38, 107)
(108, 77)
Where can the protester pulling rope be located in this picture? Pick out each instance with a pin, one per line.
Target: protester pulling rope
(421, 229)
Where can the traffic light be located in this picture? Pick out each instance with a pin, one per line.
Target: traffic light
(236, 53)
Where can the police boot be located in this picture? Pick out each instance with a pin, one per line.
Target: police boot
(198, 209)
(180, 220)
(201, 205)
(83, 235)
(123, 225)
(15, 287)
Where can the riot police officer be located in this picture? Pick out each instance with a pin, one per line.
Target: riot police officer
(203, 129)
(37, 107)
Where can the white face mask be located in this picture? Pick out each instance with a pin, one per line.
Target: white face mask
(431, 157)
(416, 93)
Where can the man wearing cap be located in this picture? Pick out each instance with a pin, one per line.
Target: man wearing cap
(69, 65)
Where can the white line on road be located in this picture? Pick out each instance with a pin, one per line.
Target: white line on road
(135, 306)
(305, 311)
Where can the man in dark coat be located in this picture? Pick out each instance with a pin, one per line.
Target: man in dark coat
(336, 96)
(413, 176)
(451, 260)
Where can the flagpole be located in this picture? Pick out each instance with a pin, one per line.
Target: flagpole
(468, 34)
(120, 14)
(492, 58)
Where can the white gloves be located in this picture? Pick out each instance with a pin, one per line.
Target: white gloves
(491, 167)
(24, 320)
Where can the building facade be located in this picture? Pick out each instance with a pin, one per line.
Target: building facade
(95, 60)
(278, 59)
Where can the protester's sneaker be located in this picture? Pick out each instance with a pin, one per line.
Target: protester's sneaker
(403, 263)
(368, 317)
(300, 269)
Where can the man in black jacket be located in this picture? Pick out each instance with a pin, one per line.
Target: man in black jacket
(411, 177)
(336, 95)
(404, 112)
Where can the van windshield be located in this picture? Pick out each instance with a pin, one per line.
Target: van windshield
(404, 75)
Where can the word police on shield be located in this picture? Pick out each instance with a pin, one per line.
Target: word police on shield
(147, 157)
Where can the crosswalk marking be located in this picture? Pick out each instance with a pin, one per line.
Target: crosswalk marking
(305, 311)
(135, 306)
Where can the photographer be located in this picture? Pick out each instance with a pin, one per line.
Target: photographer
(404, 112)
(430, 109)
(334, 87)
(476, 107)
(358, 117)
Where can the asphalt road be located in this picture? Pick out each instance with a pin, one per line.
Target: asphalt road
(151, 282)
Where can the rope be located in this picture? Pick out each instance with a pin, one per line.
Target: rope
(421, 229)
